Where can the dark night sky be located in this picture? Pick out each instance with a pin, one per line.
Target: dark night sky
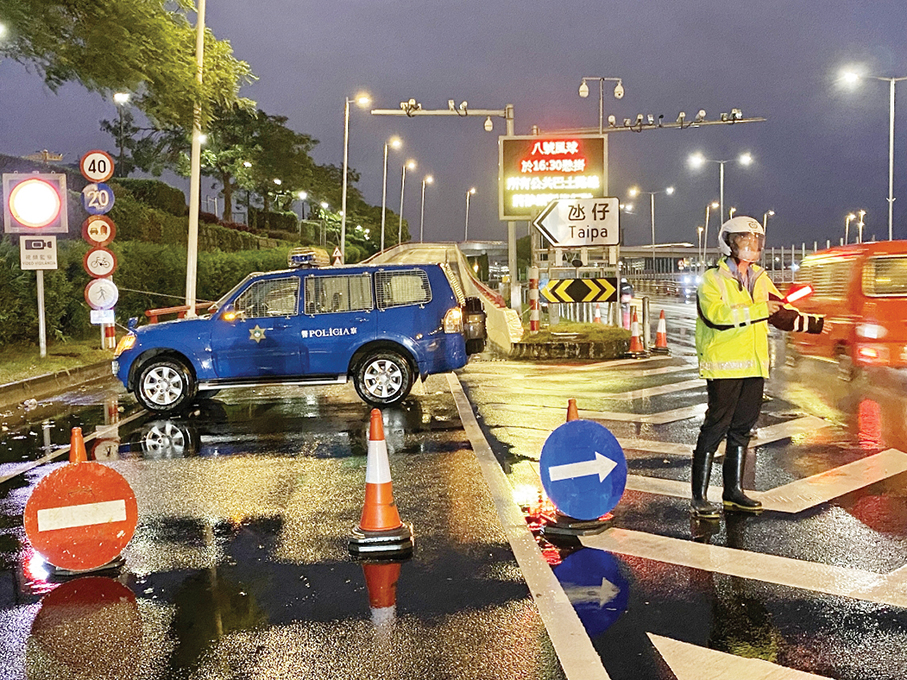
(822, 153)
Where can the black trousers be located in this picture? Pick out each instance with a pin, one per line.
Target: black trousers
(734, 406)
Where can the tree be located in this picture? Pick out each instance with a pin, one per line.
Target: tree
(146, 47)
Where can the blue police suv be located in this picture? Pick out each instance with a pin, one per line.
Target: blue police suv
(379, 325)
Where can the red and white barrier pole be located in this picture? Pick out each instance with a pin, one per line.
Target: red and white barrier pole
(533, 300)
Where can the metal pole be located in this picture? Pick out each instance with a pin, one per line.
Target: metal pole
(890, 157)
(402, 185)
(652, 213)
(466, 228)
(42, 326)
(721, 193)
(195, 167)
(515, 297)
(601, 104)
(384, 197)
(422, 214)
(346, 148)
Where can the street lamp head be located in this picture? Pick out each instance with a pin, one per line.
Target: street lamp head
(395, 142)
(619, 90)
(714, 204)
(488, 125)
(583, 90)
(669, 191)
(746, 158)
(411, 164)
(472, 190)
(850, 77)
(851, 216)
(770, 213)
(429, 179)
(363, 99)
(633, 192)
(730, 212)
(697, 160)
(118, 97)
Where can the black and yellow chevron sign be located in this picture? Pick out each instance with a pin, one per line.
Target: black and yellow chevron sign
(581, 290)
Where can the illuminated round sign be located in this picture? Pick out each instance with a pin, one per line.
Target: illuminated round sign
(97, 166)
(35, 203)
(101, 294)
(98, 230)
(100, 262)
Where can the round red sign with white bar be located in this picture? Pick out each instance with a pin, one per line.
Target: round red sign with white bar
(81, 516)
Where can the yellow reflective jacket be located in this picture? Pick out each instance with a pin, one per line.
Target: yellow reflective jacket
(731, 325)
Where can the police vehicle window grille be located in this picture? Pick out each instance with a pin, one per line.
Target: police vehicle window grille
(885, 276)
(333, 294)
(398, 288)
(271, 297)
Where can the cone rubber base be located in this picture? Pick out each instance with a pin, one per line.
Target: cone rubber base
(562, 526)
(660, 350)
(635, 355)
(114, 565)
(382, 544)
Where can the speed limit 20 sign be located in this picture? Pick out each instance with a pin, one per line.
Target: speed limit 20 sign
(97, 166)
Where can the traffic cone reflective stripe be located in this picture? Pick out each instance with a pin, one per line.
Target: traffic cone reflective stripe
(380, 532)
(635, 343)
(379, 512)
(77, 452)
(597, 317)
(572, 413)
(661, 335)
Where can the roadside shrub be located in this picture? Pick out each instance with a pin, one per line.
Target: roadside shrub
(156, 194)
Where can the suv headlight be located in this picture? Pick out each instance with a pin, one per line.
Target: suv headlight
(453, 320)
(127, 342)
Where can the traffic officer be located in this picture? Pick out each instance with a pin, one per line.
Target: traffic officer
(735, 303)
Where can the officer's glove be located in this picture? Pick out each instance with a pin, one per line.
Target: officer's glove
(792, 320)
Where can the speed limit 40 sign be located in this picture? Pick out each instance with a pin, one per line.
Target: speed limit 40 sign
(97, 166)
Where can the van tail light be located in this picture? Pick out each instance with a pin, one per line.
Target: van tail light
(127, 342)
(871, 330)
(453, 320)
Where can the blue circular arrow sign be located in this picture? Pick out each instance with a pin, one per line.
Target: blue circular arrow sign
(97, 199)
(583, 469)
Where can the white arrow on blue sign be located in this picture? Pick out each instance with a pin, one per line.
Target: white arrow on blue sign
(583, 470)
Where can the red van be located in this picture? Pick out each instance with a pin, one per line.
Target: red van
(861, 289)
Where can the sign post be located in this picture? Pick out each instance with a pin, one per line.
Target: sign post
(99, 230)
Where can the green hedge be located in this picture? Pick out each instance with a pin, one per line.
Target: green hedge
(156, 194)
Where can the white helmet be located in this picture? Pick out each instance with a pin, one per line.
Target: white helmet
(727, 238)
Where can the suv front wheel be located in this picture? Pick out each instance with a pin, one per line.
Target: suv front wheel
(164, 385)
(383, 378)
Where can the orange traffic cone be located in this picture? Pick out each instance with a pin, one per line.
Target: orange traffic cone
(381, 582)
(77, 452)
(380, 533)
(572, 413)
(661, 336)
(636, 347)
(597, 315)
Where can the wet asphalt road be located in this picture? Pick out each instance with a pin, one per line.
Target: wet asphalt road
(239, 566)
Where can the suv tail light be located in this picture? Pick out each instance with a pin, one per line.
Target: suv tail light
(453, 320)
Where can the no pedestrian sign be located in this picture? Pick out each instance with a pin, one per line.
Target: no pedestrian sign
(579, 222)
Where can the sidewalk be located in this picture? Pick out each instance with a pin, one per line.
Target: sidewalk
(51, 383)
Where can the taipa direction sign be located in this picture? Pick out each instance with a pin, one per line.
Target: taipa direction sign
(579, 222)
(81, 516)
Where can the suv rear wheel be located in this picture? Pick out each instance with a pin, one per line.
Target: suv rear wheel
(383, 378)
(164, 385)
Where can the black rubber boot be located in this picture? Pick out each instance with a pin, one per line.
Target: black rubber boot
(733, 496)
(702, 469)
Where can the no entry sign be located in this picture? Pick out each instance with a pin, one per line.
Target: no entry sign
(81, 516)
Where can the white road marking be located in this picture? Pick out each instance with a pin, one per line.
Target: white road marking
(659, 418)
(574, 649)
(681, 386)
(811, 576)
(87, 514)
(692, 662)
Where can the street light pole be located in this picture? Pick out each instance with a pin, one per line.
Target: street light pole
(701, 254)
(394, 142)
(411, 165)
(765, 216)
(860, 225)
(847, 221)
(697, 160)
(853, 77)
(705, 238)
(633, 192)
(466, 230)
(195, 165)
(362, 100)
(428, 180)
